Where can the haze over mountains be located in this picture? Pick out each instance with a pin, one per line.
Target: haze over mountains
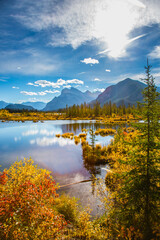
(3, 104)
(36, 105)
(127, 92)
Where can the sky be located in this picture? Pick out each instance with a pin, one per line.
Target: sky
(47, 45)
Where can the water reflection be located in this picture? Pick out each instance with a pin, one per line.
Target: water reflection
(38, 140)
(45, 141)
(61, 156)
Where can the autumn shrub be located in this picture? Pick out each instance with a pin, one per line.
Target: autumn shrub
(84, 130)
(105, 132)
(27, 199)
(83, 141)
(82, 135)
(58, 135)
(67, 135)
(68, 207)
(76, 140)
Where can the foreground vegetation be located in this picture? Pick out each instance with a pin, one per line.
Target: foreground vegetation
(30, 207)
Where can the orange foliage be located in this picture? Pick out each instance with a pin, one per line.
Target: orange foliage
(27, 208)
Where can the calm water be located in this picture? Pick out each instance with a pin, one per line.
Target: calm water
(61, 156)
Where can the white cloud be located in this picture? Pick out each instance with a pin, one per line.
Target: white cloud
(90, 61)
(42, 93)
(39, 93)
(155, 53)
(67, 86)
(97, 80)
(75, 81)
(15, 87)
(50, 91)
(108, 70)
(99, 90)
(109, 22)
(32, 84)
(29, 93)
(60, 82)
(45, 83)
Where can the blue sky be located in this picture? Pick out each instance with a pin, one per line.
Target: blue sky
(47, 45)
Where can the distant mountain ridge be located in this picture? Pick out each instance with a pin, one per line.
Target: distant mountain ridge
(127, 91)
(36, 105)
(19, 107)
(70, 97)
(3, 104)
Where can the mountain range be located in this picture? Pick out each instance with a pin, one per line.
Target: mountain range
(70, 97)
(125, 92)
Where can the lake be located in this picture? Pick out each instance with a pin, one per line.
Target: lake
(59, 155)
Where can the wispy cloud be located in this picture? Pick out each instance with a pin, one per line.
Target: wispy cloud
(42, 93)
(97, 80)
(117, 49)
(110, 22)
(155, 53)
(99, 90)
(50, 91)
(27, 62)
(81, 73)
(35, 99)
(15, 87)
(139, 76)
(4, 79)
(29, 93)
(90, 61)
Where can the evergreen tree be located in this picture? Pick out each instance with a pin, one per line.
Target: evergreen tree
(151, 137)
(136, 191)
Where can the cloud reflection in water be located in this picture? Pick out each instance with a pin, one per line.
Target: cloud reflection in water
(45, 141)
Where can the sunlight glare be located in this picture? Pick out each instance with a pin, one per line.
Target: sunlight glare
(114, 22)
